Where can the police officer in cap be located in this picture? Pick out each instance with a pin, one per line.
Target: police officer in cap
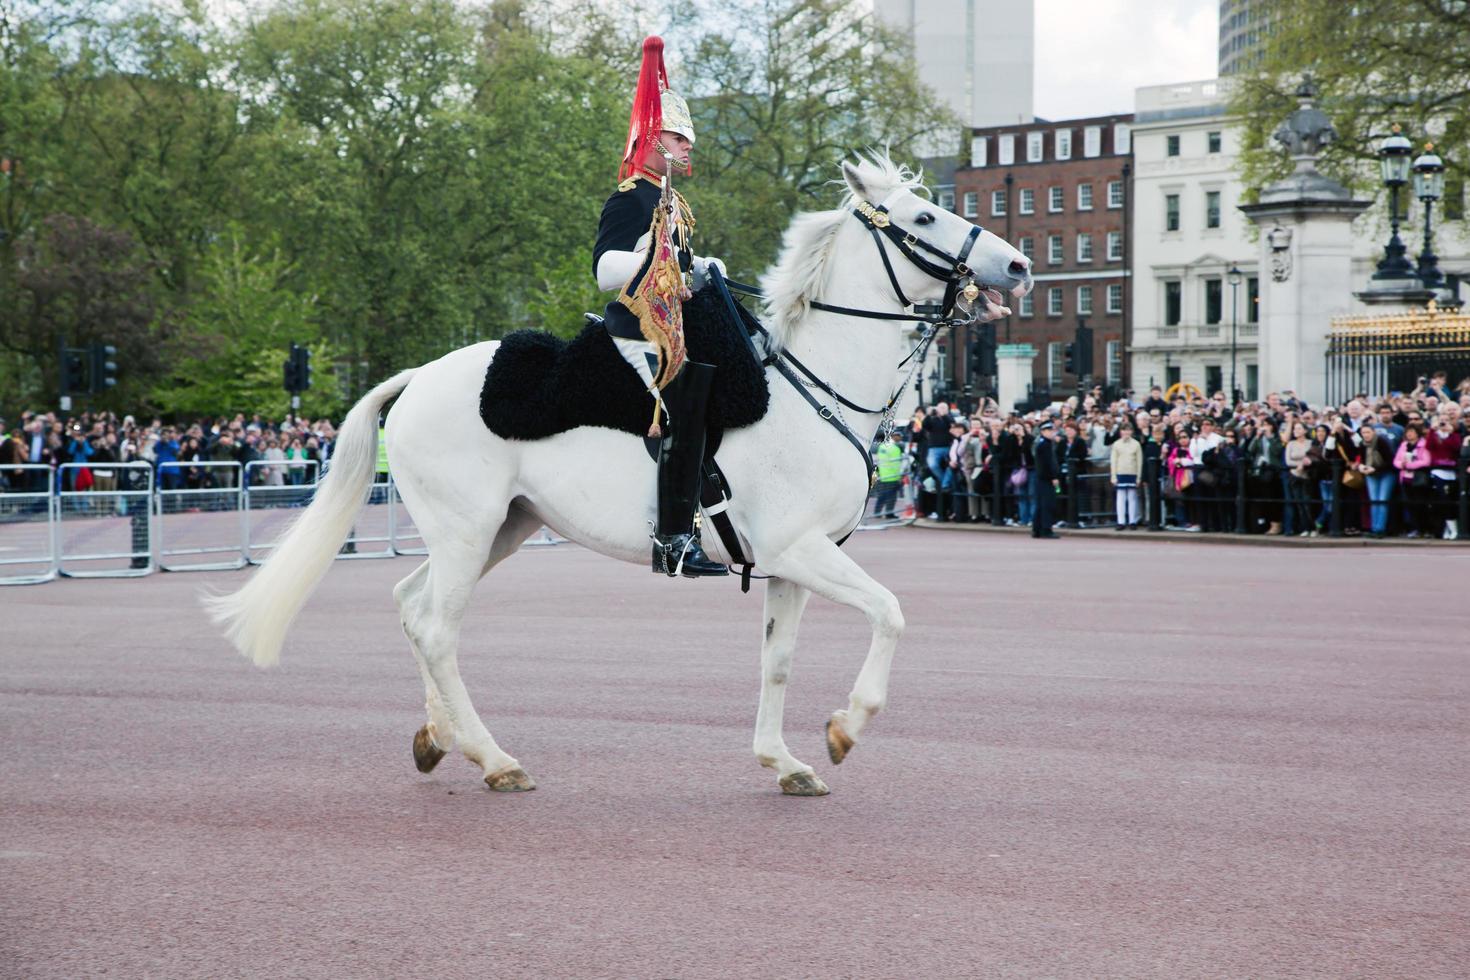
(1048, 480)
(660, 139)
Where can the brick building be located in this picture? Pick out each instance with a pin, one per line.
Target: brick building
(1058, 191)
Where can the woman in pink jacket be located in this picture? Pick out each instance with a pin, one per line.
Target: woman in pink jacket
(1412, 462)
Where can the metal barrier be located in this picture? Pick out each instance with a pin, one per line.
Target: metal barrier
(28, 524)
(405, 536)
(207, 507)
(266, 508)
(112, 525)
(372, 533)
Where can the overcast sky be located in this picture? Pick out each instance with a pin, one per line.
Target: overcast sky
(1092, 54)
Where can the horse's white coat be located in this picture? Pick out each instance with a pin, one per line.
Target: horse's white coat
(799, 486)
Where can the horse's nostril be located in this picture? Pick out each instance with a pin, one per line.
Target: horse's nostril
(1020, 268)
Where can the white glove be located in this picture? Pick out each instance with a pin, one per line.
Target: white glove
(699, 266)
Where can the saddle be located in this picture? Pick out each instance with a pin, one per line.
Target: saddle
(539, 385)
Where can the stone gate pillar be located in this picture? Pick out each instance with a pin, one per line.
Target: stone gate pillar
(1306, 258)
(1012, 373)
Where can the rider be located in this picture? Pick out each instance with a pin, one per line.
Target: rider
(660, 138)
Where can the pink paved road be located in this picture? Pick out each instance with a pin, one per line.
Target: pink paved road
(1098, 760)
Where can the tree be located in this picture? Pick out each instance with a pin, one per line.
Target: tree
(1404, 62)
(780, 102)
(84, 283)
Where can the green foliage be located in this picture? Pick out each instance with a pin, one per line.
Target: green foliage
(383, 179)
(1404, 62)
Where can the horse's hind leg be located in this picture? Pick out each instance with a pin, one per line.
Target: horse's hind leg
(432, 602)
(785, 602)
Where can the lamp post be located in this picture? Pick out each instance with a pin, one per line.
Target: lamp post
(1428, 188)
(1393, 165)
(1234, 276)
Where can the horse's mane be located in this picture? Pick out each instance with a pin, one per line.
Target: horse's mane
(803, 268)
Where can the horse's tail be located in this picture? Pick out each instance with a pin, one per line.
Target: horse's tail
(255, 618)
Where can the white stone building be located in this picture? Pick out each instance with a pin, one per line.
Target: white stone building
(1188, 233)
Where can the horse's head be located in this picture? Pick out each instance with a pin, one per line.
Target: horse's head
(935, 256)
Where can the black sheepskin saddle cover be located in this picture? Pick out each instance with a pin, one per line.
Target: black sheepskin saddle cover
(538, 385)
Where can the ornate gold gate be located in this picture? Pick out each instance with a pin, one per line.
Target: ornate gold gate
(1381, 353)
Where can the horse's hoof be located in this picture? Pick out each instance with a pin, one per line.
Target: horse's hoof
(838, 742)
(803, 784)
(515, 780)
(426, 754)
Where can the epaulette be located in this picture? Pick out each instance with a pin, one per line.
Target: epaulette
(628, 184)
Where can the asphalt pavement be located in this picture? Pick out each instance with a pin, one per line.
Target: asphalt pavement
(1098, 760)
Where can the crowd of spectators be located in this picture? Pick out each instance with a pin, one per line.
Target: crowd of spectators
(1386, 465)
(292, 451)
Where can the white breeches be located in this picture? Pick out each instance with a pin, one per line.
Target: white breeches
(642, 355)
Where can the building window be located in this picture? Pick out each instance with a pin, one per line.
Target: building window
(979, 151)
(1084, 301)
(1171, 375)
(1054, 301)
(1062, 141)
(972, 203)
(1092, 141)
(1115, 193)
(1084, 248)
(1028, 201)
(997, 204)
(1028, 246)
(1171, 212)
(1028, 306)
(1115, 246)
(1055, 362)
(1214, 301)
(1252, 382)
(1055, 252)
(1173, 302)
(1122, 139)
(1252, 300)
(1173, 145)
(1056, 199)
(946, 200)
(1033, 147)
(1114, 361)
(1007, 149)
(1212, 209)
(1213, 138)
(1454, 198)
(1115, 298)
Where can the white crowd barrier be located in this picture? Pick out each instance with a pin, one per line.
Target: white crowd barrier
(105, 531)
(28, 525)
(201, 519)
(203, 516)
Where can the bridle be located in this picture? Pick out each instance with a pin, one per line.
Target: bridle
(956, 275)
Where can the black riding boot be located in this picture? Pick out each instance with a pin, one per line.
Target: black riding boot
(675, 542)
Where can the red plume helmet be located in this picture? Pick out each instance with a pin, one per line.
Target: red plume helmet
(647, 119)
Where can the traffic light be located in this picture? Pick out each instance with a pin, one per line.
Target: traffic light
(1082, 351)
(104, 368)
(292, 379)
(73, 372)
(302, 356)
(1071, 365)
(982, 356)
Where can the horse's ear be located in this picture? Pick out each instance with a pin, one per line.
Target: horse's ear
(854, 181)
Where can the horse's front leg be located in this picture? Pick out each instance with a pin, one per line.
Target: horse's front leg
(817, 563)
(785, 602)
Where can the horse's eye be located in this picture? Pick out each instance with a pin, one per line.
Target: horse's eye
(925, 219)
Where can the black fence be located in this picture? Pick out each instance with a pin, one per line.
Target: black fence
(1228, 500)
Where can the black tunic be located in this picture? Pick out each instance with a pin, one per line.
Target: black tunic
(626, 217)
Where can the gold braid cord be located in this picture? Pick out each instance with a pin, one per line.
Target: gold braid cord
(654, 297)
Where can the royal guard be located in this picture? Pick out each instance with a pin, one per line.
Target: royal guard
(643, 252)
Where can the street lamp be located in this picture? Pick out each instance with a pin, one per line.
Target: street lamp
(1234, 277)
(1393, 165)
(1428, 188)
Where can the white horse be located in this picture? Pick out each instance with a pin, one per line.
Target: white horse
(800, 486)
